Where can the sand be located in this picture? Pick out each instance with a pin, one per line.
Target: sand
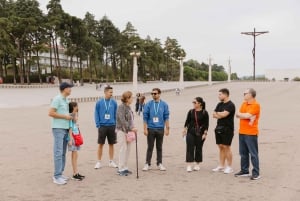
(26, 159)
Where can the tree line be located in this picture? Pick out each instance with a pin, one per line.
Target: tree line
(26, 32)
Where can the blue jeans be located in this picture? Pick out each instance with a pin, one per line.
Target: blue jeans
(248, 146)
(59, 150)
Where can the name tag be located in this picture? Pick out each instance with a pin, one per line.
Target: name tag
(155, 119)
(107, 116)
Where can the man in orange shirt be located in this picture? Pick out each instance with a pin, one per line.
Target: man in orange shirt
(249, 115)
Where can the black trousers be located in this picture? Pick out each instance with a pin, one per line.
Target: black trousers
(194, 146)
(158, 136)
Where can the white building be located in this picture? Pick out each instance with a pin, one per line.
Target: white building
(65, 61)
(282, 74)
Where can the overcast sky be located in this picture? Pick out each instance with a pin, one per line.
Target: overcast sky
(210, 27)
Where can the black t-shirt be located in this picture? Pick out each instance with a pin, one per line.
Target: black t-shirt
(229, 120)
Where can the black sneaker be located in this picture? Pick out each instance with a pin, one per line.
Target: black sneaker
(255, 177)
(81, 176)
(241, 174)
(77, 177)
(123, 173)
(128, 171)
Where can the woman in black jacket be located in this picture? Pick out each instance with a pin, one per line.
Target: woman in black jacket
(195, 131)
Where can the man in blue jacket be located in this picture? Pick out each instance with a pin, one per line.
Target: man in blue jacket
(105, 119)
(156, 125)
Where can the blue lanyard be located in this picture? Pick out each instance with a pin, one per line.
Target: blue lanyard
(106, 108)
(156, 109)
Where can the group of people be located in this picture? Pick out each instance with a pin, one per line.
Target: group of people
(114, 122)
(140, 103)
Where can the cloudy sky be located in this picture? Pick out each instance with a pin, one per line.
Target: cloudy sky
(210, 27)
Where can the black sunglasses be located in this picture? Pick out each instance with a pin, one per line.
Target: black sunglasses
(154, 94)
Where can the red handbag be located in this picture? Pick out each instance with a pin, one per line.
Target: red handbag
(78, 139)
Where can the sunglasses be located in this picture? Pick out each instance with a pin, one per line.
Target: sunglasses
(245, 94)
(154, 94)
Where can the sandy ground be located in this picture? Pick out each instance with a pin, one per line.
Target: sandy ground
(26, 159)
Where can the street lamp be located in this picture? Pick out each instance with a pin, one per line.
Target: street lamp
(135, 54)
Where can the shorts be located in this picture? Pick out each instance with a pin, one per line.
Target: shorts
(107, 132)
(73, 147)
(225, 138)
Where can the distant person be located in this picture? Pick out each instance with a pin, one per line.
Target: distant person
(59, 111)
(195, 130)
(156, 125)
(224, 131)
(105, 119)
(141, 104)
(249, 114)
(124, 124)
(73, 109)
(137, 103)
(177, 91)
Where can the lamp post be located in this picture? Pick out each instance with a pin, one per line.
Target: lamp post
(229, 71)
(209, 71)
(181, 71)
(135, 54)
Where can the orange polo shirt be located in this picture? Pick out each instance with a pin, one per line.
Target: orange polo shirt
(254, 109)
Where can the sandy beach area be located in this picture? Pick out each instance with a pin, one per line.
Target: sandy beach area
(26, 158)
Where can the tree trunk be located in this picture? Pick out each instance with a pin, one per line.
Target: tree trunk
(27, 67)
(80, 70)
(58, 62)
(71, 70)
(38, 65)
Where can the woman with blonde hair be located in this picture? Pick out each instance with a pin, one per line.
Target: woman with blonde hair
(123, 126)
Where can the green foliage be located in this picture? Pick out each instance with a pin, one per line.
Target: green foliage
(26, 32)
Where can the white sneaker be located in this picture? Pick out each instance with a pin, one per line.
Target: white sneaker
(59, 181)
(112, 164)
(218, 169)
(98, 165)
(196, 168)
(228, 170)
(146, 167)
(64, 177)
(189, 168)
(161, 167)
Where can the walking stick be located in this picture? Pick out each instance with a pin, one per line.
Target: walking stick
(136, 156)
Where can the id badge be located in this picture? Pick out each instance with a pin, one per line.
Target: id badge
(107, 116)
(155, 119)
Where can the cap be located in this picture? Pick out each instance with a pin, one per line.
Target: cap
(65, 85)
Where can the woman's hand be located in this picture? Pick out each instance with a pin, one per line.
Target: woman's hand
(184, 132)
(134, 130)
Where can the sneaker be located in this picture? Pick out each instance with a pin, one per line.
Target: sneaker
(228, 170)
(77, 177)
(161, 167)
(196, 168)
(81, 176)
(146, 167)
(218, 169)
(126, 171)
(123, 173)
(59, 181)
(64, 177)
(189, 168)
(255, 177)
(112, 164)
(98, 165)
(241, 174)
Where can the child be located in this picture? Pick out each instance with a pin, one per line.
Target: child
(73, 109)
